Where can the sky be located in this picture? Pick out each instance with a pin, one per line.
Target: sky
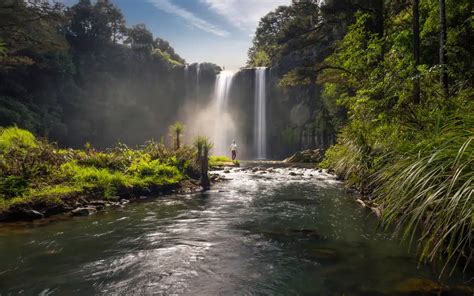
(217, 31)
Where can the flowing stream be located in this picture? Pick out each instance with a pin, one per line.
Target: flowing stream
(278, 231)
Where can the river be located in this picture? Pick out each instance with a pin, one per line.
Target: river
(260, 233)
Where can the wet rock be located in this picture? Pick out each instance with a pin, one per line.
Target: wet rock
(306, 232)
(82, 201)
(114, 198)
(32, 214)
(416, 285)
(57, 209)
(86, 211)
(326, 254)
(227, 172)
(124, 201)
(293, 174)
(306, 156)
(97, 203)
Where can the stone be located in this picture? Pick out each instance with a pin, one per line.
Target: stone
(417, 285)
(85, 211)
(306, 156)
(32, 214)
(321, 253)
(57, 209)
(293, 174)
(97, 202)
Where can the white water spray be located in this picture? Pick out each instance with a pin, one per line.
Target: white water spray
(260, 120)
(223, 126)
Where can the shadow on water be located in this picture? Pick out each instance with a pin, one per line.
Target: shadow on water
(264, 232)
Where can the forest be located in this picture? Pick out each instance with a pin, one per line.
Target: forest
(87, 106)
(78, 74)
(396, 84)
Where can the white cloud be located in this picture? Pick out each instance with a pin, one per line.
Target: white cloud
(244, 14)
(193, 20)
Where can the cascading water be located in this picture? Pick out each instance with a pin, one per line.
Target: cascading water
(260, 120)
(222, 125)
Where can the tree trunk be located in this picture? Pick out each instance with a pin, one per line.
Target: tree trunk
(205, 183)
(177, 141)
(416, 50)
(443, 36)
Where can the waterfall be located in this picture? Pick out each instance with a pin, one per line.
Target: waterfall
(260, 120)
(222, 125)
(221, 96)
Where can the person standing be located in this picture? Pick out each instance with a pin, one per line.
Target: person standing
(233, 149)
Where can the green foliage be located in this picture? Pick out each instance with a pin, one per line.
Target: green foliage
(428, 186)
(14, 138)
(36, 171)
(153, 172)
(108, 181)
(215, 160)
(413, 159)
(77, 74)
(176, 131)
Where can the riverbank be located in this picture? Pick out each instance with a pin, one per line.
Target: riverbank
(38, 179)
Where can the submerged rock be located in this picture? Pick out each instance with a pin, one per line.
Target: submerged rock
(416, 285)
(326, 254)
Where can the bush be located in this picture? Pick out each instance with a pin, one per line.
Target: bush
(215, 160)
(14, 138)
(428, 188)
(148, 172)
(91, 177)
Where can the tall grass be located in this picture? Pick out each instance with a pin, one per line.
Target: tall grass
(427, 192)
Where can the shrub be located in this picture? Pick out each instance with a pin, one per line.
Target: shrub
(93, 177)
(146, 172)
(429, 187)
(15, 138)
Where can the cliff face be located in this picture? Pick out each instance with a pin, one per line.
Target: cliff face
(294, 120)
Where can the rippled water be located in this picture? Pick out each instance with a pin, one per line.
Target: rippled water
(258, 234)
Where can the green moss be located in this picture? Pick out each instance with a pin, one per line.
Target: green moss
(12, 137)
(35, 171)
(219, 160)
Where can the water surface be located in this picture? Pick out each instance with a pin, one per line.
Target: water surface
(261, 233)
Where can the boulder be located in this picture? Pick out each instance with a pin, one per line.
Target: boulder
(31, 214)
(85, 211)
(306, 156)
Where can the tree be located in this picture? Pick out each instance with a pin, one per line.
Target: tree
(177, 130)
(416, 50)
(203, 146)
(443, 36)
(114, 19)
(140, 38)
